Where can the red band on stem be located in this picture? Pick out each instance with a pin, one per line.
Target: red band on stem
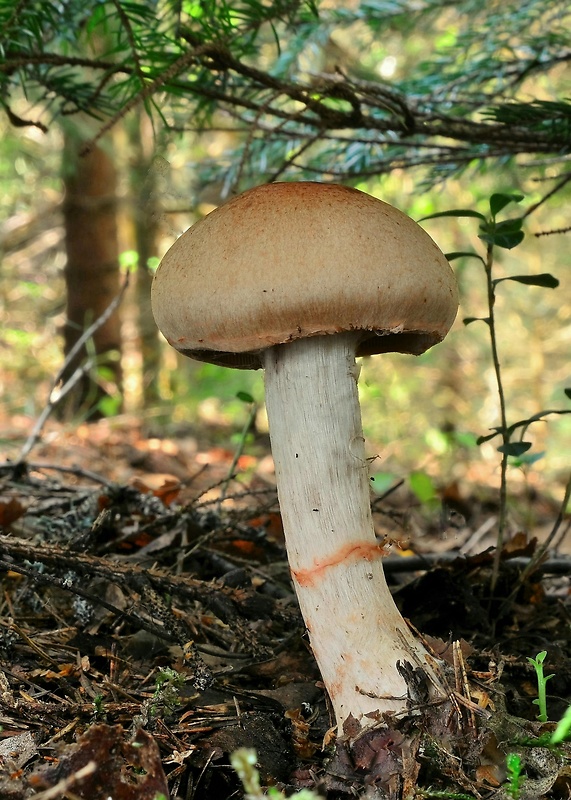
(356, 550)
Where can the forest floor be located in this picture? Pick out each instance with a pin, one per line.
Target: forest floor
(148, 628)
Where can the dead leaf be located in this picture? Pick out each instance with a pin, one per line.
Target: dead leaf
(519, 546)
(304, 748)
(490, 774)
(123, 770)
(165, 487)
(10, 511)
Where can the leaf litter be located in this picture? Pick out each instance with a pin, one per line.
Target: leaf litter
(148, 630)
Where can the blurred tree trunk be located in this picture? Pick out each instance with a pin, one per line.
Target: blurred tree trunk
(92, 277)
(146, 217)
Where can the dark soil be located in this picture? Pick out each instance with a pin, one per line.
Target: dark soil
(148, 629)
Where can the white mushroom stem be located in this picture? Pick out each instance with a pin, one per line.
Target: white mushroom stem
(356, 632)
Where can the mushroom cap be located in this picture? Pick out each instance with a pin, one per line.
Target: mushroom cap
(285, 261)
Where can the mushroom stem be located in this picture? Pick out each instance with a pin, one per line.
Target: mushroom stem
(356, 632)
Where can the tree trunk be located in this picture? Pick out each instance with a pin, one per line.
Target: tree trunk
(92, 278)
(146, 218)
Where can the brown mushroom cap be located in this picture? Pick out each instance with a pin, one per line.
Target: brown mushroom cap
(285, 261)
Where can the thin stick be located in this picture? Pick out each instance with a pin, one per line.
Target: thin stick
(237, 454)
(541, 551)
(79, 472)
(36, 432)
(62, 787)
(53, 580)
(557, 188)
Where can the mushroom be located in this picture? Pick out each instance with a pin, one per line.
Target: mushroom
(299, 278)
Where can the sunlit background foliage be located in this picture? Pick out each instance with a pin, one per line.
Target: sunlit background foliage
(430, 105)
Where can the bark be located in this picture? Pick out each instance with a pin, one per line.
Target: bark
(92, 276)
(146, 218)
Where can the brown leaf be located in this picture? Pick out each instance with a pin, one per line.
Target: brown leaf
(273, 524)
(378, 752)
(123, 770)
(351, 727)
(304, 748)
(445, 650)
(165, 487)
(490, 774)
(10, 511)
(519, 546)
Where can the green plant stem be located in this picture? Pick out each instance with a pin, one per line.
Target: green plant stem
(514, 776)
(541, 700)
(503, 416)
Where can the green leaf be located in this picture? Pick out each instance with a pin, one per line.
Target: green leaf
(457, 212)
(97, 17)
(470, 320)
(563, 729)
(514, 448)
(506, 240)
(506, 234)
(543, 279)
(540, 415)
(465, 439)
(382, 481)
(527, 459)
(500, 201)
(245, 397)
(422, 486)
(482, 439)
(109, 405)
(462, 254)
(509, 225)
(128, 259)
